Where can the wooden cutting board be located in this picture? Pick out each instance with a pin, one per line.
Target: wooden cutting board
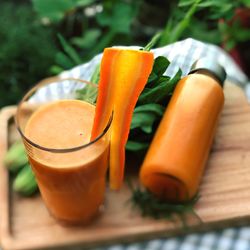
(225, 194)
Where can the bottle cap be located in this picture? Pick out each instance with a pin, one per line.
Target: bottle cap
(212, 67)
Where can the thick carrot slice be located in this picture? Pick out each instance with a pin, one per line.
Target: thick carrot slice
(123, 76)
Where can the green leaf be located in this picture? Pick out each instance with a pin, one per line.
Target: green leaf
(143, 121)
(83, 3)
(54, 10)
(155, 94)
(176, 78)
(136, 146)
(119, 18)
(70, 51)
(88, 40)
(206, 4)
(185, 3)
(152, 77)
(153, 107)
(161, 64)
(145, 116)
(162, 89)
(63, 60)
(55, 69)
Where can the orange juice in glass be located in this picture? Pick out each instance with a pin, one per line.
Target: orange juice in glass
(70, 169)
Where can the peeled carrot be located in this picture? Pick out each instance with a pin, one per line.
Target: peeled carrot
(123, 75)
(175, 161)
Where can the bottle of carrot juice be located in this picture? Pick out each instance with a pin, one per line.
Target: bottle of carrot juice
(175, 161)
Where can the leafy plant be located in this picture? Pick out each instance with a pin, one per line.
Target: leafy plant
(199, 19)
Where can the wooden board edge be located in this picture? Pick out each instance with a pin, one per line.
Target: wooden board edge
(5, 231)
(120, 238)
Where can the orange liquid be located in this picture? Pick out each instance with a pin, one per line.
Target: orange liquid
(72, 184)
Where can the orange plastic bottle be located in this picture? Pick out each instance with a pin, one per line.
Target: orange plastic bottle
(175, 161)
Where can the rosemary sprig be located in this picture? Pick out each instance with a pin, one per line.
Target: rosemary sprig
(151, 206)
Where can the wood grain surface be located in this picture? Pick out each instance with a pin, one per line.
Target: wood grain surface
(225, 195)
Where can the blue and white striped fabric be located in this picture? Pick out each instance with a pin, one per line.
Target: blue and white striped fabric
(182, 55)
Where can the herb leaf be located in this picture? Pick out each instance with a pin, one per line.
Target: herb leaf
(156, 94)
(161, 64)
(154, 107)
(145, 116)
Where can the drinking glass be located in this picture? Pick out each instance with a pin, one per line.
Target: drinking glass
(72, 190)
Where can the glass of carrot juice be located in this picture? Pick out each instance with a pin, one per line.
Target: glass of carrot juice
(69, 167)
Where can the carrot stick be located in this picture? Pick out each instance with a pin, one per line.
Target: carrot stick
(123, 76)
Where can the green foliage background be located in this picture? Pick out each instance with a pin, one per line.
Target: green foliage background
(27, 50)
(39, 38)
